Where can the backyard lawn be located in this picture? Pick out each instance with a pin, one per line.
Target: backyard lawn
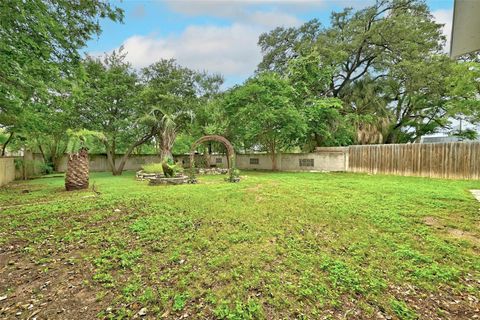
(274, 246)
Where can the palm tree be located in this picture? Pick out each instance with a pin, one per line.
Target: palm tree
(169, 124)
(77, 175)
(78, 171)
(365, 101)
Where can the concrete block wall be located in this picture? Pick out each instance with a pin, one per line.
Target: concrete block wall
(324, 159)
(7, 170)
(332, 159)
(99, 162)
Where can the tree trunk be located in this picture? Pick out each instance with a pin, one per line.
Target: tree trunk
(118, 171)
(4, 148)
(272, 148)
(274, 160)
(165, 153)
(110, 158)
(77, 174)
(166, 145)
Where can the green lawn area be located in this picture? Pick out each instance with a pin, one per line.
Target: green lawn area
(274, 246)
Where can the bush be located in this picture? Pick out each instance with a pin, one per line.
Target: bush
(173, 169)
(152, 168)
(46, 168)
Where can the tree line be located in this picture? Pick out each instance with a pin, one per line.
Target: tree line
(374, 75)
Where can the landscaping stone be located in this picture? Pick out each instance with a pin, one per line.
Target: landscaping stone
(476, 194)
(140, 175)
(213, 171)
(173, 181)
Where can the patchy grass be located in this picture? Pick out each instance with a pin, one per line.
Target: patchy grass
(276, 245)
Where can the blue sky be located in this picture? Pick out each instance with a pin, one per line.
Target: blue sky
(218, 36)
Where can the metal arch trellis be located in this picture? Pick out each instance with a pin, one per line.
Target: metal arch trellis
(222, 140)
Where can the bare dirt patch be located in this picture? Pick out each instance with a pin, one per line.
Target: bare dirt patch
(452, 232)
(55, 286)
(443, 304)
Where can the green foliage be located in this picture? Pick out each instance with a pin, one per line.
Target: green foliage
(269, 244)
(39, 48)
(250, 310)
(173, 94)
(388, 70)
(46, 168)
(401, 309)
(263, 113)
(152, 168)
(78, 139)
(183, 144)
(467, 134)
(179, 301)
(171, 169)
(233, 175)
(108, 100)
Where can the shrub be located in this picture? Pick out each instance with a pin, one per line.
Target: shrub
(171, 169)
(46, 168)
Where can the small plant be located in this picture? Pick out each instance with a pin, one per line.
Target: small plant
(192, 178)
(179, 301)
(46, 168)
(402, 310)
(170, 168)
(249, 310)
(233, 175)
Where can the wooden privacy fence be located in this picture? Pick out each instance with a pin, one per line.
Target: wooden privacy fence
(456, 160)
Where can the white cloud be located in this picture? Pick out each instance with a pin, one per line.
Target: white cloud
(231, 50)
(237, 9)
(444, 16)
(273, 19)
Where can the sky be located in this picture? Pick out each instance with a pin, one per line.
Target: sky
(217, 36)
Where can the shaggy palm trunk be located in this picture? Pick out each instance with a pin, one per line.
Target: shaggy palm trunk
(77, 171)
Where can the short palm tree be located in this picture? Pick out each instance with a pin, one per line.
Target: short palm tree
(78, 171)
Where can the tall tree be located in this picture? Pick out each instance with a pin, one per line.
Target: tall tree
(263, 113)
(393, 50)
(174, 95)
(107, 101)
(358, 42)
(39, 43)
(366, 107)
(326, 125)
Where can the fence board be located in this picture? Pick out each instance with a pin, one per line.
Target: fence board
(452, 160)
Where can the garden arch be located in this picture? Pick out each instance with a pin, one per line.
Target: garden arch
(222, 140)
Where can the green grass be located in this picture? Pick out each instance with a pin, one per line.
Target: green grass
(275, 245)
(152, 168)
